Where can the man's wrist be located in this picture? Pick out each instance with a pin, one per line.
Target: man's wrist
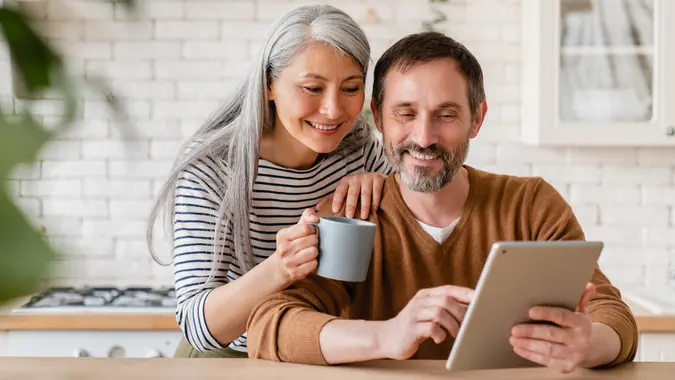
(604, 348)
(380, 338)
(349, 341)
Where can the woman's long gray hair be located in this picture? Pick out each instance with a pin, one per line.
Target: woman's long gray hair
(232, 136)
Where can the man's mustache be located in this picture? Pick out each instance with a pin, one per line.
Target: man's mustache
(431, 149)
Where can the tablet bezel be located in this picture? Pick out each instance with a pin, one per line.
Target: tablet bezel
(553, 273)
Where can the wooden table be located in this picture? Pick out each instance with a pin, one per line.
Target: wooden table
(203, 369)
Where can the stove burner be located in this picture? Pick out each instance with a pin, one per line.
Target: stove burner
(103, 297)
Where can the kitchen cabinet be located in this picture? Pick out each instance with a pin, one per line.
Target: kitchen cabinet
(654, 312)
(140, 333)
(131, 322)
(3, 343)
(598, 72)
(145, 334)
(99, 344)
(652, 347)
(656, 347)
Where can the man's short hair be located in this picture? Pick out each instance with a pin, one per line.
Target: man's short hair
(425, 47)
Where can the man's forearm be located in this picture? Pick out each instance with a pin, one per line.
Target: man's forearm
(348, 341)
(605, 346)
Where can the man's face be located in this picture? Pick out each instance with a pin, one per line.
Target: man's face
(427, 123)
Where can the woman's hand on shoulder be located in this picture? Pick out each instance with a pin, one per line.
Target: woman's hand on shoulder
(297, 248)
(364, 187)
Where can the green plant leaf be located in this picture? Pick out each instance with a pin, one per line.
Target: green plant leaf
(129, 5)
(22, 139)
(25, 255)
(440, 16)
(119, 111)
(33, 59)
(63, 84)
(427, 26)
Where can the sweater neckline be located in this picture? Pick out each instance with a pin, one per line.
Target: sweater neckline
(419, 231)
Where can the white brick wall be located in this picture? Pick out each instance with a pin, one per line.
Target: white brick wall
(176, 62)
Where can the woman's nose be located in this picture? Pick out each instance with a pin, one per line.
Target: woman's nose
(331, 106)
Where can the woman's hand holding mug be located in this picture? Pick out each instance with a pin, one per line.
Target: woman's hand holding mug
(297, 248)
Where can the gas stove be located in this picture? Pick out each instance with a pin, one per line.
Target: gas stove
(101, 299)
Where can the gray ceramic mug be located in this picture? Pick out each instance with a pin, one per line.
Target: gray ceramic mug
(345, 248)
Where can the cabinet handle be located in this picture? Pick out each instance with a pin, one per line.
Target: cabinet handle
(670, 131)
(116, 352)
(81, 353)
(154, 354)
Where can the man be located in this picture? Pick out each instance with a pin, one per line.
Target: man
(437, 221)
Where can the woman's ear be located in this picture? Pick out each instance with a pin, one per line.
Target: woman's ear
(270, 91)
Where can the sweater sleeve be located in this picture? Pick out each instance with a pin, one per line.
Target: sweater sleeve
(196, 204)
(553, 219)
(286, 326)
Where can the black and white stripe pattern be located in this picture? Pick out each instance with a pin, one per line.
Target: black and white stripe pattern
(279, 197)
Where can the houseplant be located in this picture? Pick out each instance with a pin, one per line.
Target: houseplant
(37, 68)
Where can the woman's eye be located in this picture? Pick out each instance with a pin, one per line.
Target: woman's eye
(313, 90)
(352, 90)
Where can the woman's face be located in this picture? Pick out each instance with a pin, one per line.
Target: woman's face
(318, 97)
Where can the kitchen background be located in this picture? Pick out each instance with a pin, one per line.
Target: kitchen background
(177, 61)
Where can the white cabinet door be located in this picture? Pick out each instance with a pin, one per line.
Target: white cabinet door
(598, 72)
(656, 347)
(100, 344)
(3, 337)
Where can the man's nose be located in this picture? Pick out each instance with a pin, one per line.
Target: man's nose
(424, 133)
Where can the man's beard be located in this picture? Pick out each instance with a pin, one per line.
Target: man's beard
(421, 178)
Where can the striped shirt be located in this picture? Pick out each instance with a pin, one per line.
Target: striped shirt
(280, 195)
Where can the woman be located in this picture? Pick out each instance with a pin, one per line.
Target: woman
(289, 135)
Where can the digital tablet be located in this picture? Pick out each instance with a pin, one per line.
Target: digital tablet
(516, 277)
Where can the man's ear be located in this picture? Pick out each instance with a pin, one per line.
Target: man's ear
(479, 118)
(376, 116)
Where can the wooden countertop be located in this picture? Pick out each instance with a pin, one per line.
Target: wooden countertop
(181, 369)
(647, 322)
(652, 323)
(84, 320)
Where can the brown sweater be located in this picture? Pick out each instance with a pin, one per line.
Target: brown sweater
(286, 326)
